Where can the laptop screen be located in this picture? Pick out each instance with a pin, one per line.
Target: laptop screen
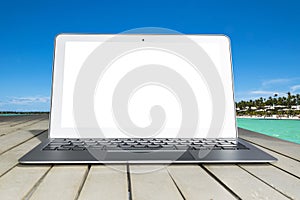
(160, 86)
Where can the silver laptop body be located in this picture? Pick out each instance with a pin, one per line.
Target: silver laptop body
(143, 99)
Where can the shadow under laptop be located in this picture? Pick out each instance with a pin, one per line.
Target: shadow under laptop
(39, 134)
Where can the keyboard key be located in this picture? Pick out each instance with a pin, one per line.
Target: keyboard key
(207, 145)
(158, 142)
(125, 146)
(198, 143)
(59, 143)
(53, 145)
(173, 143)
(154, 146)
(77, 144)
(103, 141)
(201, 148)
(117, 141)
(185, 143)
(211, 143)
(73, 139)
(139, 146)
(210, 140)
(90, 142)
(129, 141)
(95, 147)
(67, 145)
(167, 145)
(227, 145)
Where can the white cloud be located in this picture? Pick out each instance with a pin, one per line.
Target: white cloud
(263, 92)
(256, 94)
(270, 87)
(275, 81)
(295, 88)
(27, 100)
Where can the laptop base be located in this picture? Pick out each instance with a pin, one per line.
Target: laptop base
(251, 155)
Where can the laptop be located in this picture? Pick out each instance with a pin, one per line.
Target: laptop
(143, 98)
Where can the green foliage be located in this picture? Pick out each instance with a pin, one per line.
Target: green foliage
(271, 106)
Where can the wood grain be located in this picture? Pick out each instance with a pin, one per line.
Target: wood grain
(105, 181)
(152, 182)
(245, 185)
(18, 182)
(62, 182)
(195, 183)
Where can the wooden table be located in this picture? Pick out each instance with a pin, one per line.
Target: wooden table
(279, 180)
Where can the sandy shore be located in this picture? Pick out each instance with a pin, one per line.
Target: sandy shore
(265, 117)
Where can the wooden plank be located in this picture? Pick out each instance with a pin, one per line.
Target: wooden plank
(4, 119)
(62, 182)
(284, 163)
(20, 180)
(10, 140)
(152, 182)
(13, 119)
(21, 126)
(10, 158)
(16, 120)
(19, 120)
(195, 183)
(283, 182)
(242, 183)
(105, 182)
(147, 181)
(12, 126)
(280, 146)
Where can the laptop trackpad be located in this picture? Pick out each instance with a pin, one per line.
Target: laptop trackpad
(144, 155)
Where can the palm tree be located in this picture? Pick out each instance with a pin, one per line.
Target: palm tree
(261, 102)
(275, 99)
(288, 100)
(250, 102)
(280, 101)
(269, 102)
(293, 100)
(284, 101)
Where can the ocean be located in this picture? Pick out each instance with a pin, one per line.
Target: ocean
(14, 114)
(285, 129)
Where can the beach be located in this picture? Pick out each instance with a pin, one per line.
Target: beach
(268, 117)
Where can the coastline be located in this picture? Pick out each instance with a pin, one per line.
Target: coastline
(266, 117)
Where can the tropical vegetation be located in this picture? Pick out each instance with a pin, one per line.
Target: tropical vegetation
(287, 106)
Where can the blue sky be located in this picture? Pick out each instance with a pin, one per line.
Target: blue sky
(265, 40)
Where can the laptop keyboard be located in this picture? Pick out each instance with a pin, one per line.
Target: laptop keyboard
(61, 144)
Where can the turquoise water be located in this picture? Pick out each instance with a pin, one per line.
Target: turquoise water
(14, 114)
(284, 129)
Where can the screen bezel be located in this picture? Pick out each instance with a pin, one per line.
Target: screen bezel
(55, 130)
